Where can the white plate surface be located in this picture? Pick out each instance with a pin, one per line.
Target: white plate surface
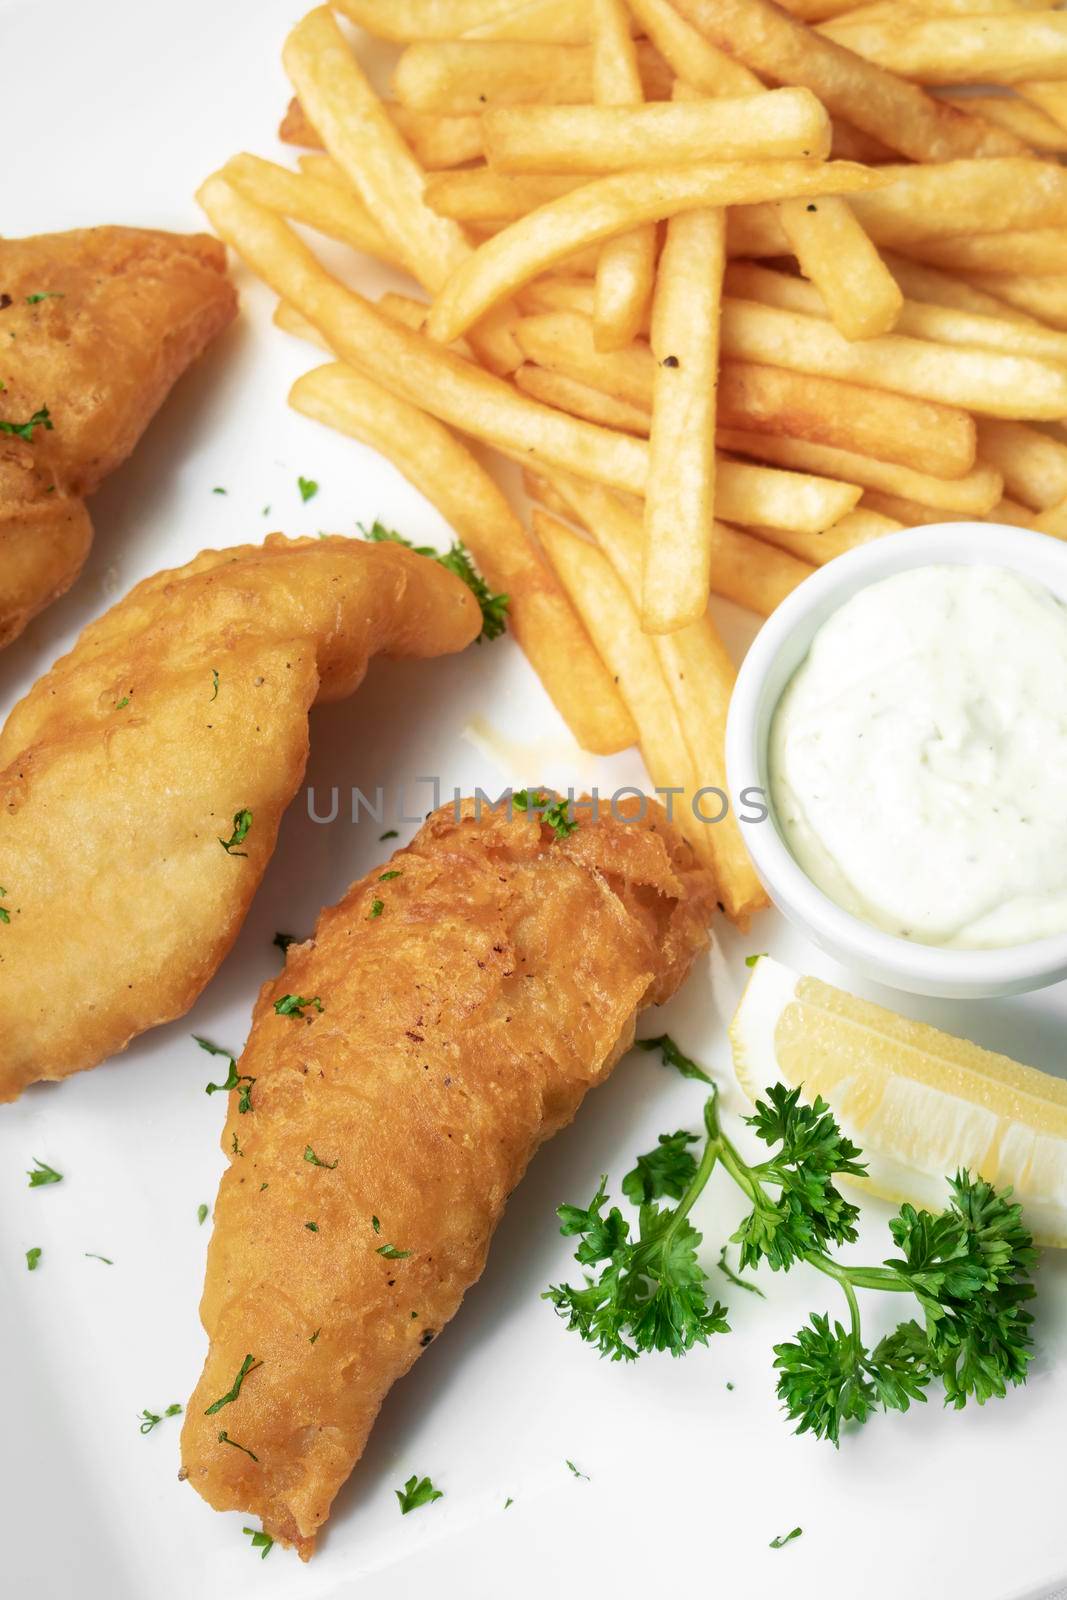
(112, 112)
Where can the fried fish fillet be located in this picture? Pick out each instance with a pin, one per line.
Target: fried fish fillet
(96, 326)
(142, 779)
(454, 1010)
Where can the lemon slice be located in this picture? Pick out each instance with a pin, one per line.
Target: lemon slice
(918, 1102)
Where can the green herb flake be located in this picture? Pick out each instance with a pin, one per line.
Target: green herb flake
(294, 1005)
(729, 1273)
(24, 430)
(241, 1081)
(214, 684)
(249, 1364)
(149, 1419)
(750, 961)
(242, 822)
(43, 1174)
(219, 491)
(577, 1473)
(236, 1147)
(33, 1257)
(391, 834)
(314, 1336)
(91, 1255)
(673, 1057)
(391, 1253)
(312, 1227)
(46, 294)
(201, 1214)
(5, 915)
(120, 705)
(555, 815)
(308, 489)
(387, 877)
(375, 1224)
(784, 1538)
(309, 1155)
(224, 1438)
(260, 1540)
(376, 909)
(508, 1502)
(494, 607)
(417, 1492)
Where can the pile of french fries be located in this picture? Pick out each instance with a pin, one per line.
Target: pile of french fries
(733, 287)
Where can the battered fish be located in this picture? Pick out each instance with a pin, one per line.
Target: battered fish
(95, 328)
(143, 779)
(448, 1016)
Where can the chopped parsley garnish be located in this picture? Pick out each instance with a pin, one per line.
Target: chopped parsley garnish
(242, 821)
(284, 940)
(750, 961)
(33, 1256)
(260, 1541)
(577, 1473)
(376, 909)
(391, 1253)
(494, 607)
(308, 489)
(391, 834)
(784, 1538)
(309, 1155)
(46, 294)
(555, 816)
(249, 1364)
(43, 1174)
(5, 915)
(149, 1420)
(508, 1502)
(201, 1214)
(219, 491)
(375, 1224)
(417, 1492)
(314, 1336)
(293, 1005)
(236, 1147)
(234, 1079)
(120, 705)
(968, 1268)
(387, 877)
(24, 430)
(224, 1438)
(214, 683)
(91, 1255)
(312, 1227)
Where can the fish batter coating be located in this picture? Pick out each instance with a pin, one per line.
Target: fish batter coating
(96, 326)
(455, 1007)
(143, 779)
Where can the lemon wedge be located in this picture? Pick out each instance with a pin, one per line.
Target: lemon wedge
(918, 1102)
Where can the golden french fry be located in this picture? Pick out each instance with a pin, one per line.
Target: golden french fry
(1028, 122)
(467, 75)
(977, 491)
(700, 677)
(920, 203)
(540, 22)
(912, 515)
(680, 499)
(940, 324)
(920, 281)
(326, 207)
(689, 55)
(410, 366)
(439, 142)
(855, 528)
(860, 293)
(1049, 97)
(292, 321)
(901, 114)
(481, 195)
(580, 400)
(770, 399)
(778, 124)
(850, 144)
(947, 50)
(1053, 521)
(443, 469)
(1044, 298)
(989, 382)
(401, 21)
(1035, 252)
(627, 266)
(1032, 464)
(758, 497)
(611, 205)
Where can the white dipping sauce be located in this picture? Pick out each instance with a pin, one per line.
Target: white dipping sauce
(918, 758)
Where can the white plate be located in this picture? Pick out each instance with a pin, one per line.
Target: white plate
(112, 113)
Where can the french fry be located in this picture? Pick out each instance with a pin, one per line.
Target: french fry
(627, 266)
(410, 366)
(439, 142)
(581, 400)
(630, 657)
(1048, 95)
(1053, 521)
(700, 677)
(612, 205)
(850, 144)
(940, 324)
(1036, 252)
(430, 457)
(1032, 464)
(292, 321)
(691, 57)
(977, 491)
(900, 114)
(912, 515)
(462, 76)
(326, 207)
(538, 21)
(860, 293)
(770, 399)
(921, 203)
(481, 195)
(946, 50)
(759, 496)
(1028, 122)
(365, 144)
(920, 281)
(778, 124)
(988, 382)
(401, 21)
(855, 528)
(680, 498)
(1044, 298)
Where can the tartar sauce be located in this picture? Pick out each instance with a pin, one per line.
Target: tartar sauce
(918, 758)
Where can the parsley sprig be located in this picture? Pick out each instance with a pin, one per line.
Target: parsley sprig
(234, 1079)
(968, 1268)
(24, 430)
(417, 1492)
(554, 813)
(494, 607)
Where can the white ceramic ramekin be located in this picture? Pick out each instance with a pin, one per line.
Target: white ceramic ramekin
(779, 648)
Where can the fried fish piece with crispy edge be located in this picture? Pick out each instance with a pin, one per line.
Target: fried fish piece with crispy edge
(142, 779)
(455, 1008)
(96, 326)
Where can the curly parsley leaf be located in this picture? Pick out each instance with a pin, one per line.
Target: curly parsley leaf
(43, 1174)
(555, 814)
(294, 1005)
(33, 1257)
(241, 1081)
(260, 1541)
(417, 1492)
(24, 430)
(242, 823)
(310, 1156)
(391, 1253)
(494, 607)
(308, 489)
